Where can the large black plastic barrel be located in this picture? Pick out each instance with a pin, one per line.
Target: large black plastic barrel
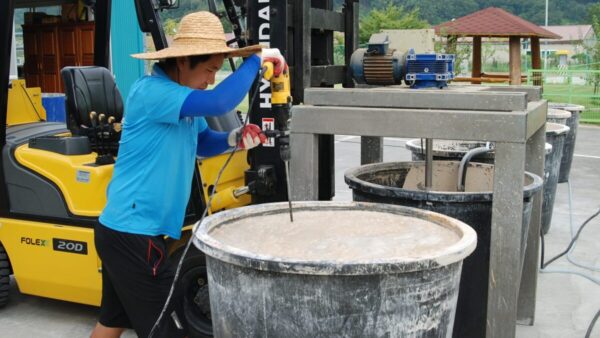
(559, 116)
(399, 182)
(569, 147)
(339, 270)
(555, 135)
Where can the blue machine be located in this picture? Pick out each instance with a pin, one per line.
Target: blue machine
(428, 70)
(379, 65)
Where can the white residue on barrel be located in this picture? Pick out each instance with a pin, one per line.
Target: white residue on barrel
(337, 235)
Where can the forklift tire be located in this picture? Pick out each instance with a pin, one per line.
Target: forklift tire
(194, 283)
(4, 276)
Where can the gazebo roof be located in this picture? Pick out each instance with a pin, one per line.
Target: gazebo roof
(493, 22)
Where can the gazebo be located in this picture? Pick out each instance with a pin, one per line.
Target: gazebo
(496, 23)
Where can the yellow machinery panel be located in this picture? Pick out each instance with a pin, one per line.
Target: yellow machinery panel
(233, 176)
(24, 104)
(53, 261)
(82, 183)
(58, 261)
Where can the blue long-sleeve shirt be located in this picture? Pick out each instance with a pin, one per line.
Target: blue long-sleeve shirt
(163, 130)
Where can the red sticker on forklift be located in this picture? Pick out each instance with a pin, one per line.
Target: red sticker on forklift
(268, 123)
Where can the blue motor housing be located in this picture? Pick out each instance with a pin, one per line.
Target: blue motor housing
(380, 65)
(428, 70)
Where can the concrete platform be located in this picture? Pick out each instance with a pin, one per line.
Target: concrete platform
(566, 302)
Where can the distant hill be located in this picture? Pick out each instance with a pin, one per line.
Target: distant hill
(562, 12)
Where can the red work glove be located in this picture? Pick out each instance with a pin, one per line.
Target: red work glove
(279, 65)
(248, 136)
(274, 56)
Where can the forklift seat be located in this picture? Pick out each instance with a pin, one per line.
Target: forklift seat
(93, 89)
(90, 89)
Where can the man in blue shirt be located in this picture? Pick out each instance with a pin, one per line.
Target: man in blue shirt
(163, 131)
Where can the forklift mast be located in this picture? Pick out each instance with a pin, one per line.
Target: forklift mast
(304, 35)
(6, 23)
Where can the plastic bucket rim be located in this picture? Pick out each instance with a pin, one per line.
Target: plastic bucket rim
(560, 129)
(570, 107)
(555, 113)
(351, 178)
(416, 148)
(452, 254)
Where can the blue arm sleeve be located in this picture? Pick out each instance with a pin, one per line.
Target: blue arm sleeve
(211, 143)
(226, 95)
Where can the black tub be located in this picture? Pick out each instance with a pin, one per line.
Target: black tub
(399, 182)
(569, 147)
(559, 116)
(555, 135)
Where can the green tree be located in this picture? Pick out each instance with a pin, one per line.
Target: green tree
(593, 49)
(170, 26)
(390, 17)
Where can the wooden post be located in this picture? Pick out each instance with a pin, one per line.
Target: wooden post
(515, 60)
(476, 69)
(536, 61)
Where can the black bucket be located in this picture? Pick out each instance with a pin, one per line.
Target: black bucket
(569, 147)
(398, 182)
(555, 135)
(559, 116)
(341, 269)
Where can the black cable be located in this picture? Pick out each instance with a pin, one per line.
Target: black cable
(573, 240)
(208, 204)
(591, 327)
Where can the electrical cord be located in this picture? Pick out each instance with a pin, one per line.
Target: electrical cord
(570, 247)
(569, 258)
(591, 327)
(208, 204)
(573, 240)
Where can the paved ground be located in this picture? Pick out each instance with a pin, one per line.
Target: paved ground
(566, 302)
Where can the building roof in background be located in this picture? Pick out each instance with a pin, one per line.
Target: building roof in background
(570, 33)
(492, 22)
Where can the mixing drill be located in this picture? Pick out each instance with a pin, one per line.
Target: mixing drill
(281, 102)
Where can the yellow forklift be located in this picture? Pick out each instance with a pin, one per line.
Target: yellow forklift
(53, 180)
(53, 176)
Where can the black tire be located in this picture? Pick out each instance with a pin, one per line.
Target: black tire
(194, 283)
(4, 276)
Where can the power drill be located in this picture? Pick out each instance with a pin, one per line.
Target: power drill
(281, 102)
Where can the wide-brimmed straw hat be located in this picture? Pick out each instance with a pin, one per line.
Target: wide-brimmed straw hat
(199, 33)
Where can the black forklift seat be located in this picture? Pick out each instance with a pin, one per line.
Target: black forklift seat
(90, 89)
(93, 89)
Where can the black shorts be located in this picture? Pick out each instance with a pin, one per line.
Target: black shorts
(136, 279)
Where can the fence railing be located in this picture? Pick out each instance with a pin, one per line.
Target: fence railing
(571, 86)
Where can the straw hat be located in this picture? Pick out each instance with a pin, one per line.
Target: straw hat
(199, 33)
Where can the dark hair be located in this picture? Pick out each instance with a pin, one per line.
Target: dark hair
(171, 63)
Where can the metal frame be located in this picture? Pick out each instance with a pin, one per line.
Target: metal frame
(516, 125)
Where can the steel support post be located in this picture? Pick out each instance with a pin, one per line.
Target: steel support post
(528, 288)
(371, 149)
(505, 253)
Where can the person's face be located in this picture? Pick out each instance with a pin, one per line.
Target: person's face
(202, 75)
